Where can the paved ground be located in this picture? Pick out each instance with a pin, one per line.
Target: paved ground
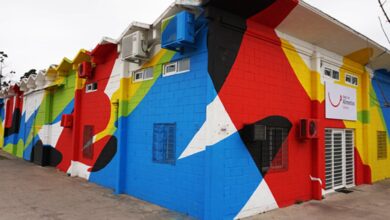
(365, 202)
(28, 191)
(44, 193)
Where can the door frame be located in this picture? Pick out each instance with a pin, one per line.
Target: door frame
(342, 131)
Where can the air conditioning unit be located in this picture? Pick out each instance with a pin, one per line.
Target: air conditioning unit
(257, 132)
(134, 46)
(308, 129)
(178, 31)
(67, 121)
(85, 70)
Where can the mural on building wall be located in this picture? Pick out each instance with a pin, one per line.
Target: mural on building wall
(239, 102)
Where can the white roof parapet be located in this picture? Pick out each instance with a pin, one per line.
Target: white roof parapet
(40, 79)
(31, 81)
(107, 40)
(134, 26)
(23, 85)
(190, 2)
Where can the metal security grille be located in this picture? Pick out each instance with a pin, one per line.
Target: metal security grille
(274, 150)
(339, 158)
(328, 159)
(382, 144)
(164, 143)
(349, 157)
(88, 142)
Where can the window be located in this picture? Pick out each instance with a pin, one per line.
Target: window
(334, 74)
(170, 68)
(274, 151)
(176, 67)
(164, 143)
(144, 74)
(138, 76)
(88, 142)
(351, 79)
(91, 87)
(382, 145)
(183, 65)
(148, 73)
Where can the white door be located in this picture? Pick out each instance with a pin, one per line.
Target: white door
(339, 159)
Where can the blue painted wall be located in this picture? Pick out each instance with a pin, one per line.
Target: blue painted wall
(381, 85)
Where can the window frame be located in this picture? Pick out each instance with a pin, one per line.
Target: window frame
(164, 158)
(88, 152)
(142, 72)
(177, 67)
(283, 150)
(332, 71)
(352, 76)
(89, 87)
(138, 72)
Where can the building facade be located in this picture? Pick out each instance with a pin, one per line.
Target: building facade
(216, 110)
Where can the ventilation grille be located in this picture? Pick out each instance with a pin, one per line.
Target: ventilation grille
(382, 145)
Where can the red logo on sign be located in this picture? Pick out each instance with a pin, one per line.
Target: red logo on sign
(335, 105)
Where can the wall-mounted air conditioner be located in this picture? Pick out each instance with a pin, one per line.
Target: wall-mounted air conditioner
(85, 70)
(178, 31)
(308, 129)
(134, 46)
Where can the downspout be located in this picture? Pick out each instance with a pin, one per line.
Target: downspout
(122, 137)
(76, 119)
(318, 153)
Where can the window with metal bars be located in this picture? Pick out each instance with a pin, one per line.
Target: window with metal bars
(88, 141)
(274, 150)
(164, 143)
(382, 145)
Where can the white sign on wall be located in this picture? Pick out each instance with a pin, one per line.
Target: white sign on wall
(340, 102)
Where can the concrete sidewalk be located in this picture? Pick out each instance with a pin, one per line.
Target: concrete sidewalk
(365, 202)
(28, 191)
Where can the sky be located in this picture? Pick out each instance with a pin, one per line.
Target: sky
(38, 33)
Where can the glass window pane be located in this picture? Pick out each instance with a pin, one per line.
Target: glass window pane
(328, 72)
(148, 73)
(336, 75)
(184, 65)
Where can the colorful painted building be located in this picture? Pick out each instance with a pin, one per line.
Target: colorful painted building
(216, 110)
